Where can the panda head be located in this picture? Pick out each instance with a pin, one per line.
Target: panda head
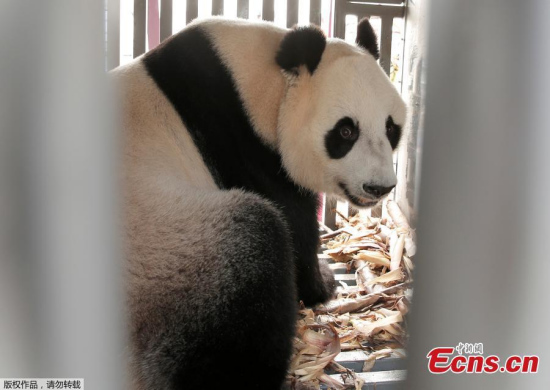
(340, 119)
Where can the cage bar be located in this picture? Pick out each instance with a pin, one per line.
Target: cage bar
(385, 43)
(140, 17)
(242, 9)
(165, 19)
(268, 10)
(217, 7)
(113, 34)
(192, 10)
(315, 12)
(292, 10)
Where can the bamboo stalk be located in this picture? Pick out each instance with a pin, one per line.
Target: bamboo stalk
(397, 253)
(346, 305)
(397, 215)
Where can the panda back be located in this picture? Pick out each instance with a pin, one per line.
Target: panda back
(158, 148)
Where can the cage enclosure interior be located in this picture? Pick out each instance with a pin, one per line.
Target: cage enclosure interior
(358, 338)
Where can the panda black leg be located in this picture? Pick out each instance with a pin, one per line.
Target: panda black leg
(214, 304)
(316, 283)
(314, 278)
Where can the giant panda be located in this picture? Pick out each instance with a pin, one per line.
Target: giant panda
(231, 128)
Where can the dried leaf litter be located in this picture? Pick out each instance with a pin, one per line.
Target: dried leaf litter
(370, 316)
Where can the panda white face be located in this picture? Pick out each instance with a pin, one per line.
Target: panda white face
(360, 122)
(339, 127)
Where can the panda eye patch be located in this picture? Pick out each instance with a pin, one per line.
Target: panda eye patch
(393, 132)
(342, 137)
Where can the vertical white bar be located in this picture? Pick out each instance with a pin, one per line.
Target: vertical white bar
(255, 9)
(482, 261)
(60, 292)
(126, 31)
(204, 9)
(304, 16)
(280, 13)
(351, 28)
(327, 16)
(230, 8)
(179, 15)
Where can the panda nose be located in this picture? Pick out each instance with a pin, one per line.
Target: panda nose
(377, 191)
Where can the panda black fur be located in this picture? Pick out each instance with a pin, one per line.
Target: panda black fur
(221, 197)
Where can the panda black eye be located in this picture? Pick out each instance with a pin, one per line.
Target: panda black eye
(341, 138)
(393, 132)
(390, 133)
(346, 132)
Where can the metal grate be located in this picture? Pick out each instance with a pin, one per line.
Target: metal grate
(387, 373)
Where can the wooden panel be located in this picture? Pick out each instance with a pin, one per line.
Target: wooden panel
(192, 10)
(217, 7)
(140, 9)
(315, 12)
(385, 43)
(343, 8)
(113, 34)
(371, 9)
(165, 19)
(242, 9)
(292, 7)
(268, 10)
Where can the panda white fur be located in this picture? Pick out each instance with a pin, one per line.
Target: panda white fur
(231, 128)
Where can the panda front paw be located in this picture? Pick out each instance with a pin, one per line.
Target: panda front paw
(319, 290)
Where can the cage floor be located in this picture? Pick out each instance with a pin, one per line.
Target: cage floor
(387, 373)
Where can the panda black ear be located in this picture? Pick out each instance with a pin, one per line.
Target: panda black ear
(301, 46)
(366, 38)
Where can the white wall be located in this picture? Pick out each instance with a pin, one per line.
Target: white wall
(60, 304)
(482, 262)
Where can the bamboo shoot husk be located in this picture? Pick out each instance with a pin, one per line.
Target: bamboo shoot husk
(397, 253)
(387, 277)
